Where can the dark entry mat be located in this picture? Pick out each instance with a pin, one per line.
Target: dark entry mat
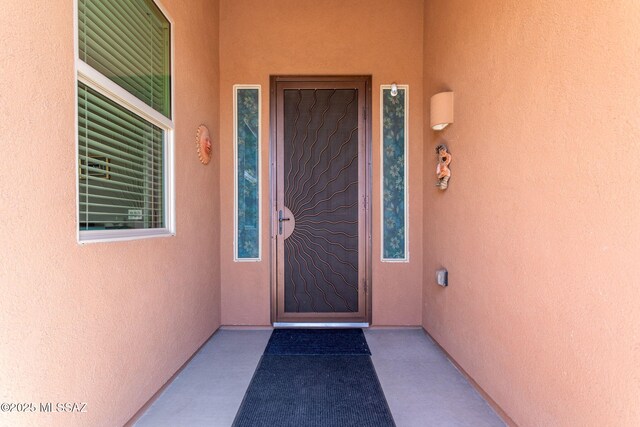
(314, 391)
(317, 342)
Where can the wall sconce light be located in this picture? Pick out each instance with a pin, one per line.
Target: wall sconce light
(441, 110)
(394, 89)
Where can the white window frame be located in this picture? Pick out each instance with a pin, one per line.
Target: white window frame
(406, 175)
(99, 82)
(235, 172)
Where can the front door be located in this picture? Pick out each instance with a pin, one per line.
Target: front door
(321, 220)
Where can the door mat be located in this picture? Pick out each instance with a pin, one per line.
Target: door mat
(317, 390)
(317, 342)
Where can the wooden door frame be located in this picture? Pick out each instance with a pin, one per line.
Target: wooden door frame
(368, 185)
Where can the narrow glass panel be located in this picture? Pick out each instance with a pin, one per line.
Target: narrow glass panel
(247, 143)
(129, 42)
(394, 148)
(121, 164)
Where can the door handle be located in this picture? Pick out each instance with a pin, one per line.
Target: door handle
(280, 220)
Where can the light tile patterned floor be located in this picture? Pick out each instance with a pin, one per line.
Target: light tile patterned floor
(422, 387)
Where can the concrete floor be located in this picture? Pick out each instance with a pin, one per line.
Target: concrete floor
(421, 386)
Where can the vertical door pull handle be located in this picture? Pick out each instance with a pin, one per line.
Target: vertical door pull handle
(280, 219)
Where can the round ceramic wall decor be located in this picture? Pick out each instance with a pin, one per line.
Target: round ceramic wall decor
(203, 144)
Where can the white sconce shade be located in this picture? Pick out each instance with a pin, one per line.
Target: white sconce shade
(441, 110)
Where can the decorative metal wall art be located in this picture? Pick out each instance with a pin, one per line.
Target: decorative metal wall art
(442, 170)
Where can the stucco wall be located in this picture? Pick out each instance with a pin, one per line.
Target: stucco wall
(259, 38)
(106, 324)
(540, 225)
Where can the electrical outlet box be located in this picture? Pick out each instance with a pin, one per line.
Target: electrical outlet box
(442, 277)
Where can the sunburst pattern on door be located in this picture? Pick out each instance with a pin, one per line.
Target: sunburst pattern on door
(321, 193)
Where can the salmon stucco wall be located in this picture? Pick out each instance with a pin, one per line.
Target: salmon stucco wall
(540, 226)
(106, 324)
(259, 38)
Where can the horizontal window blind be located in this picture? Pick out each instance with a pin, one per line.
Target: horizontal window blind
(129, 42)
(121, 156)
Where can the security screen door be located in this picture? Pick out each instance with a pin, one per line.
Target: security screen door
(321, 216)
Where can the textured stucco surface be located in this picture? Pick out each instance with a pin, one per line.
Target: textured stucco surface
(106, 324)
(539, 228)
(260, 38)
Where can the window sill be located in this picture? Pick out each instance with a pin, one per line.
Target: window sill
(106, 236)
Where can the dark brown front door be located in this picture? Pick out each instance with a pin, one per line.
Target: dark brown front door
(321, 222)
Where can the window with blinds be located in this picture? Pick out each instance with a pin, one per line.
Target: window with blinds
(124, 120)
(128, 42)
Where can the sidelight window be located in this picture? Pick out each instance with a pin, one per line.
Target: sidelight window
(246, 108)
(394, 115)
